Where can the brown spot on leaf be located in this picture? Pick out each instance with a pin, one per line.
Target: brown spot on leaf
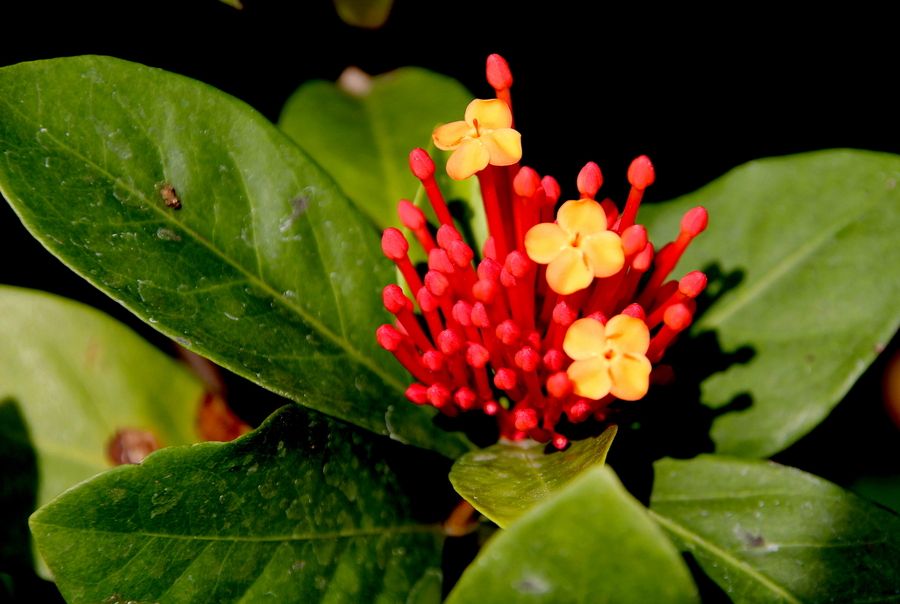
(169, 196)
(130, 446)
(216, 421)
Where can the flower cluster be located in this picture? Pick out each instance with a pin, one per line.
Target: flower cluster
(564, 312)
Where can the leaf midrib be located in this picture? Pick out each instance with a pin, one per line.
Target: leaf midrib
(253, 279)
(725, 556)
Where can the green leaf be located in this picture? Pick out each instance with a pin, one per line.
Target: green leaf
(813, 240)
(588, 542)
(265, 268)
(71, 379)
(364, 13)
(362, 129)
(769, 533)
(505, 480)
(300, 510)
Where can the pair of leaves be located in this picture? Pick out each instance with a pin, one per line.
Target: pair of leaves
(763, 532)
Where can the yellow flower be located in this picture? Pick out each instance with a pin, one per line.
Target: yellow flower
(609, 359)
(577, 247)
(485, 137)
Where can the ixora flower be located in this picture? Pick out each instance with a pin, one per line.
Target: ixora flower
(564, 312)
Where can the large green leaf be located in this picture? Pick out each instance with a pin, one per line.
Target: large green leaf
(73, 383)
(813, 241)
(301, 510)
(588, 542)
(265, 268)
(505, 480)
(363, 136)
(769, 533)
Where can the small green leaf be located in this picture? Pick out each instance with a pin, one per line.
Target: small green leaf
(363, 135)
(812, 240)
(588, 542)
(266, 268)
(505, 480)
(769, 533)
(364, 13)
(73, 384)
(300, 510)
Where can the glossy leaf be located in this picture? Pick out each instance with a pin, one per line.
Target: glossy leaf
(73, 384)
(812, 240)
(588, 542)
(362, 129)
(265, 268)
(300, 510)
(769, 533)
(505, 480)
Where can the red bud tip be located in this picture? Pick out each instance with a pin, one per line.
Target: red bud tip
(491, 408)
(695, 221)
(433, 360)
(644, 260)
(692, 284)
(484, 291)
(590, 179)
(489, 250)
(551, 189)
(554, 359)
(462, 313)
(527, 359)
(677, 317)
(426, 300)
(526, 182)
(489, 269)
(480, 316)
(560, 442)
(534, 339)
(564, 314)
(465, 398)
(417, 393)
(411, 216)
(446, 235)
(394, 244)
(634, 239)
(388, 337)
(460, 253)
(437, 283)
(559, 385)
(505, 379)
(634, 310)
(599, 317)
(439, 395)
(439, 260)
(421, 164)
(449, 341)
(477, 355)
(508, 332)
(498, 74)
(640, 173)
(579, 411)
(507, 279)
(517, 264)
(394, 299)
(525, 419)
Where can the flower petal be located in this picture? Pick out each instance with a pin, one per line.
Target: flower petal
(582, 216)
(590, 378)
(585, 339)
(604, 252)
(469, 158)
(491, 114)
(568, 272)
(627, 334)
(545, 241)
(630, 376)
(449, 136)
(504, 145)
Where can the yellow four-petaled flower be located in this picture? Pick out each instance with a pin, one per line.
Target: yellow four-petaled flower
(609, 359)
(485, 137)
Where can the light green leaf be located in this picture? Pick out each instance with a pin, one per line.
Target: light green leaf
(301, 510)
(505, 480)
(265, 268)
(588, 542)
(364, 13)
(813, 241)
(362, 129)
(769, 533)
(72, 383)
